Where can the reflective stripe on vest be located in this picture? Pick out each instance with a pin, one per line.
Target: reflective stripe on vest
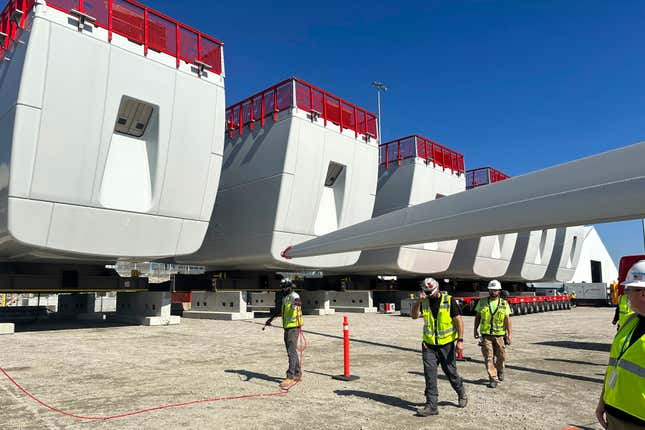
(291, 315)
(624, 310)
(442, 330)
(625, 377)
(493, 323)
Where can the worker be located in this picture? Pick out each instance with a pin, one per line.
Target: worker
(622, 401)
(291, 311)
(493, 313)
(623, 311)
(573, 298)
(442, 326)
(614, 292)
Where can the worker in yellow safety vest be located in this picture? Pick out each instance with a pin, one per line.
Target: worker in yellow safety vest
(622, 401)
(291, 311)
(493, 313)
(442, 326)
(623, 311)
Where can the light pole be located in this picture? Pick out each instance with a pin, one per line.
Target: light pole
(643, 223)
(380, 86)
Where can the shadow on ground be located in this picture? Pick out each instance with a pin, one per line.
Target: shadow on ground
(587, 346)
(317, 373)
(389, 400)
(589, 426)
(249, 375)
(590, 346)
(381, 398)
(575, 362)
(466, 381)
(40, 324)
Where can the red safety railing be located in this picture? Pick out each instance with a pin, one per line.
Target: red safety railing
(12, 20)
(130, 19)
(483, 176)
(319, 103)
(419, 146)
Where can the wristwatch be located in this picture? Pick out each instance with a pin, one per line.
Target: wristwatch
(461, 339)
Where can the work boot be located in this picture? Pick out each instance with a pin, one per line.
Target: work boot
(492, 383)
(500, 376)
(287, 383)
(463, 400)
(427, 411)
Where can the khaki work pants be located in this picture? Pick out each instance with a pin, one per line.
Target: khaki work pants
(494, 352)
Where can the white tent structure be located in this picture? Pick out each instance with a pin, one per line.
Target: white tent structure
(107, 111)
(594, 264)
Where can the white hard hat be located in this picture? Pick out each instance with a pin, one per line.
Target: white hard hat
(286, 283)
(636, 276)
(430, 285)
(494, 285)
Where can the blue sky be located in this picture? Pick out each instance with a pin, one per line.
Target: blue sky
(519, 85)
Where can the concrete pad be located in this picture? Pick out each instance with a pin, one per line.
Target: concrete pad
(319, 311)
(225, 316)
(7, 328)
(553, 380)
(144, 320)
(356, 309)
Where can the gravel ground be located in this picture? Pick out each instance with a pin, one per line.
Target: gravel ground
(553, 379)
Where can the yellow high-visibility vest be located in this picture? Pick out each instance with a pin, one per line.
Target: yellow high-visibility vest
(492, 323)
(624, 310)
(625, 377)
(291, 315)
(442, 330)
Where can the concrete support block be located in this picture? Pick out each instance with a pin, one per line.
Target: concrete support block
(225, 316)
(316, 303)
(85, 306)
(220, 305)
(261, 301)
(73, 305)
(352, 301)
(406, 306)
(150, 308)
(356, 310)
(7, 328)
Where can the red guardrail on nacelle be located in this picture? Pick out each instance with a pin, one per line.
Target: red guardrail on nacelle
(319, 103)
(12, 19)
(419, 146)
(128, 18)
(483, 176)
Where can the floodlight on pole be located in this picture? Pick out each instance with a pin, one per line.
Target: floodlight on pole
(380, 86)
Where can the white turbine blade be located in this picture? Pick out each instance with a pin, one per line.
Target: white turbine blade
(601, 188)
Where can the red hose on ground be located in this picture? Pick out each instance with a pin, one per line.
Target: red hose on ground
(282, 392)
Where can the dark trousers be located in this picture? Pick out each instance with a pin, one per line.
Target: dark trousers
(444, 355)
(291, 341)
